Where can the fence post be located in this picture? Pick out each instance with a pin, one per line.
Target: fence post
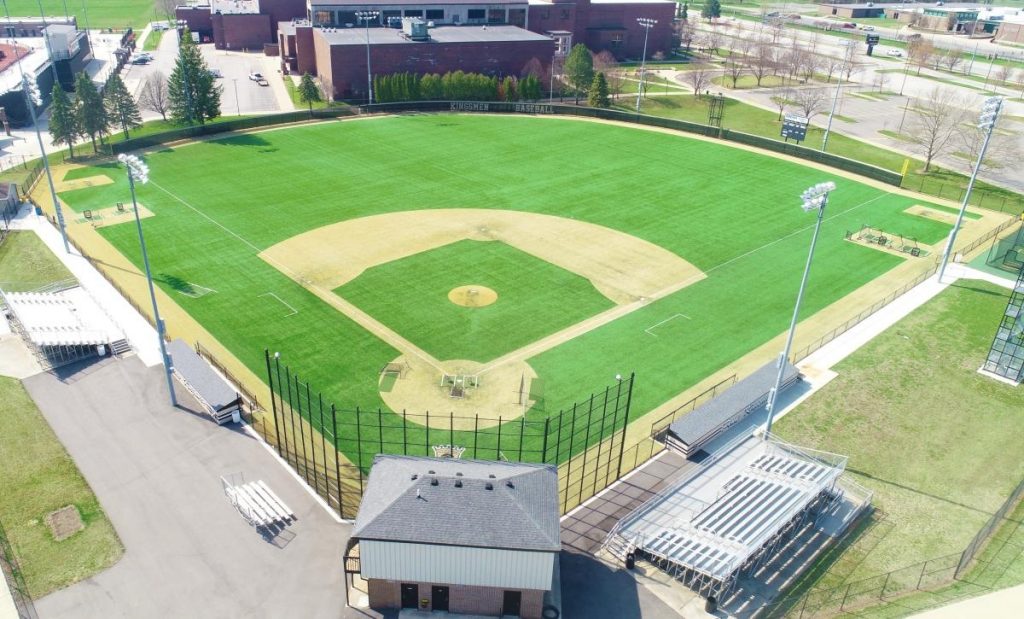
(273, 402)
(302, 432)
(323, 445)
(544, 446)
(359, 448)
(497, 448)
(881, 594)
(337, 461)
(586, 443)
(291, 410)
(476, 432)
(625, 422)
(405, 435)
(845, 594)
(921, 577)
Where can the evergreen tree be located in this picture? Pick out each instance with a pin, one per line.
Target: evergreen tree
(599, 92)
(195, 97)
(579, 69)
(121, 105)
(712, 9)
(508, 89)
(63, 120)
(93, 119)
(309, 92)
(685, 13)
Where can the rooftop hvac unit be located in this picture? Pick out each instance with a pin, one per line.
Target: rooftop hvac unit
(415, 29)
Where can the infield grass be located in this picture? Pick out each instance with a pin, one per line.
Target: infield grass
(217, 204)
(937, 442)
(535, 298)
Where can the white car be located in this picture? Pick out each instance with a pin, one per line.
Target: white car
(895, 53)
(159, 25)
(867, 28)
(255, 76)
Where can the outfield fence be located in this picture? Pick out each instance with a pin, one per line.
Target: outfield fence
(15, 581)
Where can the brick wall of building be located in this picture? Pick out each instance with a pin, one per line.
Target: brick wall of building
(485, 601)
(241, 31)
(305, 50)
(607, 20)
(198, 19)
(347, 73)
(1010, 33)
(282, 11)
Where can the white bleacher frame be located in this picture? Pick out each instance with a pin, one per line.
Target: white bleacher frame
(256, 502)
(770, 490)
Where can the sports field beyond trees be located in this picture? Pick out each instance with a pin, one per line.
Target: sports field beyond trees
(938, 443)
(101, 13)
(39, 477)
(731, 213)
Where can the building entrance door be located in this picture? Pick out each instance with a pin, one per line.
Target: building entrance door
(410, 595)
(511, 602)
(439, 598)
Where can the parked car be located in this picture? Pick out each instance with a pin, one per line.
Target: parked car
(867, 28)
(141, 60)
(159, 25)
(895, 53)
(263, 82)
(144, 56)
(256, 76)
(216, 73)
(849, 25)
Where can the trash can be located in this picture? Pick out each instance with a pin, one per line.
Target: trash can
(711, 605)
(630, 560)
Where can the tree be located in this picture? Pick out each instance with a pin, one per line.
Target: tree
(712, 10)
(686, 33)
(1002, 149)
(935, 123)
(810, 101)
(920, 52)
(684, 13)
(193, 94)
(881, 79)
(63, 120)
(698, 78)
(605, 63)
(713, 39)
(761, 61)
(93, 119)
(599, 92)
(154, 96)
(121, 106)
(167, 8)
(309, 92)
(579, 69)
(782, 99)
(735, 67)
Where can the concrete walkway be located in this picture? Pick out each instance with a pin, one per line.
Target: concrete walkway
(1005, 604)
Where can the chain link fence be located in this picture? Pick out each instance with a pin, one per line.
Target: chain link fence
(15, 581)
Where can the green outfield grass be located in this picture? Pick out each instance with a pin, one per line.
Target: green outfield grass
(937, 442)
(101, 13)
(732, 213)
(411, 297)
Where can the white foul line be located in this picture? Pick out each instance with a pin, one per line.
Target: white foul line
(271, 294)
(673, 317)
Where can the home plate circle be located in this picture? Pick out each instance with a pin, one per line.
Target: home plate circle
(472, 296)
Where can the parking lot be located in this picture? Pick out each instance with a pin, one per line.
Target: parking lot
(239, 95)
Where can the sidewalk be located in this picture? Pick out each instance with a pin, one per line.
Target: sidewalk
(1005, 604)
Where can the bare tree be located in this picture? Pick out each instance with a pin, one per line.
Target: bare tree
(735, 67)
(810, 101)
(713, 38)
(698, 78)
(881, 79)
(793, 59)
(686, 32)
(155, 96)
(920, 52)
(936, 123)
(605, 62)
(1003, 149)
(782, 99)
(1002, 74)
(167, 9)
(951, 59)
(831, 65)
(809, 65)
(761, 61)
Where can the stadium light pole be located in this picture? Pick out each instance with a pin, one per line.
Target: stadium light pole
(813, 199)
(646, 24)
(139, 171)
(835, 97)
(365, 17)
(987, 122)
(32, 99)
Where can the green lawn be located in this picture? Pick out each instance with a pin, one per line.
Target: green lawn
(26, 263)
(39, 477)
(411, 297)
(743, 234)
(153, 40)
(101, 13)
(938, 443)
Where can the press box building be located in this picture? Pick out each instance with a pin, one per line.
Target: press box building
(462, 536)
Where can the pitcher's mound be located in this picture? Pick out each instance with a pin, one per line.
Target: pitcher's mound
(472, 296)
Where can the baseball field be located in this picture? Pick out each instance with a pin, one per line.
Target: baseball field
(518, 255)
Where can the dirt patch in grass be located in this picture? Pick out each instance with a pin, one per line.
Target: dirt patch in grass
(64, 522)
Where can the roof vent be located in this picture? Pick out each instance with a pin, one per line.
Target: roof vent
(492, 476)
(489, 486)
(433, 482)
(431, 472)
(414, 476)
(458, 483)
(458, 474)
(509, 484)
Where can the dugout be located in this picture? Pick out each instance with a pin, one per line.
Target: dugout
(218, 399)
(1007, 252)
(692, 432)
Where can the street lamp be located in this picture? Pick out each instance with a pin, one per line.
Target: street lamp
(987, 122)
(139, 171)
(835, 98)
(32, 99)
(813, 199)
(365, 17)
(238, 106)
(646, 24)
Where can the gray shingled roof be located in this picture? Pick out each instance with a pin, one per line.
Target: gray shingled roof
(734, 400)
(200, 376)
(520, 516)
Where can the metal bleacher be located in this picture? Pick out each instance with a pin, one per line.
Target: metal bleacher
(257, 503)
(730, 514)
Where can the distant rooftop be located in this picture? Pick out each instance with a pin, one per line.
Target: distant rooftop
(323, 4)
(441, 34)
(235, 7)
(447, 501)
